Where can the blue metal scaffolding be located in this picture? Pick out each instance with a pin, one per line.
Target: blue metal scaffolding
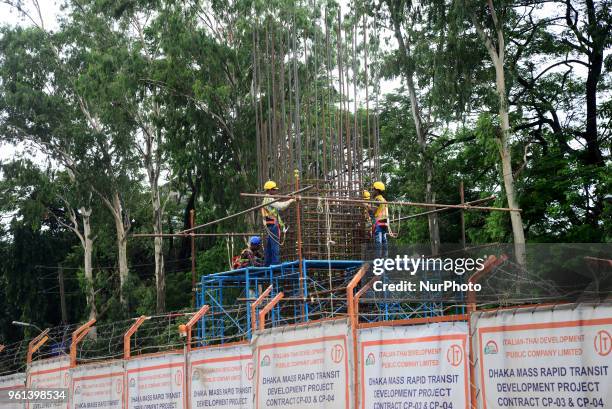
(320, 294)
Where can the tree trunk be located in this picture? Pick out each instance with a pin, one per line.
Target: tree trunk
(497, 52)
(598, 34)
(121, 245)
(596, 58)
(88, 251)
(160, 275)
(152, 161)
(506, 159)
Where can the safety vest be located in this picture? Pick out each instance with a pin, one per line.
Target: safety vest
(270, 214)
(381, 214)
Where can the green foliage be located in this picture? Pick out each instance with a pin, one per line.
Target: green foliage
(82, 97)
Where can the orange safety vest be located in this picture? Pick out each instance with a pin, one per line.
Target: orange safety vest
(270, 214)
(381, 214)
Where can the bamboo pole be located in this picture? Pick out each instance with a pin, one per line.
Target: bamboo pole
(231, 216)
(396, 203)
(231, 234)
(412, 216)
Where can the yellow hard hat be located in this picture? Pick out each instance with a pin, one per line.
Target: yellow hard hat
(380, 186)
(366, 195)
(270, 185)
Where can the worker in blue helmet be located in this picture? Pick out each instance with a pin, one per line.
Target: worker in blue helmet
(251, 256)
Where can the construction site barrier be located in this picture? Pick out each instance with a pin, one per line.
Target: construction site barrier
(555, 356)
(99, 385)
(156, 381)
(304, 366)
(550, 357)
(221, 377)
(51, 373)
(12, 382)
(419, 366)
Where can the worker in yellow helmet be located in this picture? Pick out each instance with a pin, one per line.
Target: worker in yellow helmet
(368, 212)
(273, 223)
(380, 226)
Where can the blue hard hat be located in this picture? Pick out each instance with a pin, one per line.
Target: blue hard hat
(255, 240)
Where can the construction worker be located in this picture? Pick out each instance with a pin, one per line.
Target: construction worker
(250, 256)
(368, 212)
(273, 222)
(381, 226)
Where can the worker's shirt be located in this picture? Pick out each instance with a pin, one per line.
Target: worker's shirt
(381, 214)
(271, 212)
(251, 257)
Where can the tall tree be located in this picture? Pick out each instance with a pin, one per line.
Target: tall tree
(43, 103)
(490, 28)
(405, 17)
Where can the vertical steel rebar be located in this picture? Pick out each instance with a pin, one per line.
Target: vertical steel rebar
(193, 258)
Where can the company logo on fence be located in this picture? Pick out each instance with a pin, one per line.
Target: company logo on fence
(491, 348)
(178, 377)
(195, 375)
(250, 371)
(77, 390)
(132, 382)
(265, 361)
(603, 343)
(370, 360)
(454, 355)
(337, 353)
(66, 379)
(119, 385)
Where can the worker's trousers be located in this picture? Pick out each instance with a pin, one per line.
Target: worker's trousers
(380, 240)
(272, 253)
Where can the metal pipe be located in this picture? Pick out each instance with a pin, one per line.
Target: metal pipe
(396, 203)
(491, 262)
(354, 321)
(128, 335)
(360, 293)
(77, 336)
(194, 320)
(35, 344)
(258, 301)
(462, 197)
(299, 236)
(193, 265)
(267, 308)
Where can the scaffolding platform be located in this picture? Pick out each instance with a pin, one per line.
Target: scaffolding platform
(317, 292)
